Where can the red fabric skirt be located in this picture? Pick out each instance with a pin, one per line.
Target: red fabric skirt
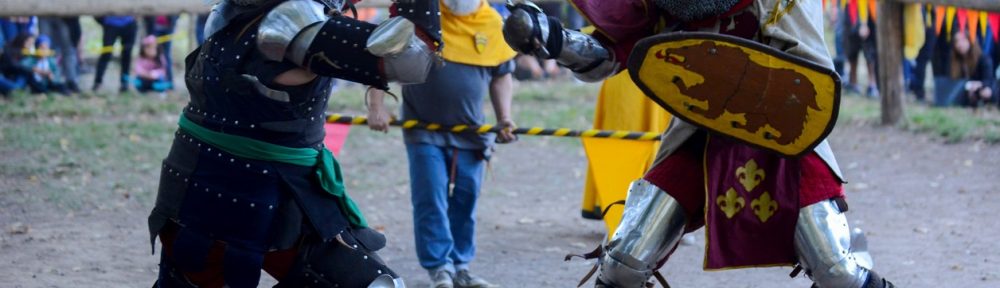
(744, 227)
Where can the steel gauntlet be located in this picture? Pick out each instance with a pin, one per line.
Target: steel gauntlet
(529, 31)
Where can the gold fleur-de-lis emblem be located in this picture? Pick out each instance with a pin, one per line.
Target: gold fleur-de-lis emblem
(730, 203)
(750, 175)
(481, 42)
(764, 207)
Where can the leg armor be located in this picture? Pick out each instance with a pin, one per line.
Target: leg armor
(347, 261)
(653, 223)
(832, 255)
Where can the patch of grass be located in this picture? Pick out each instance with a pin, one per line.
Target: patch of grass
(952, 124)
(78, 152)
(955, 124)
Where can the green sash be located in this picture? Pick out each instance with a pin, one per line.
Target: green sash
(327, 168)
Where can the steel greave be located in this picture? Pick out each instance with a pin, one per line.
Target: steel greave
(652, 224)
(823, 244)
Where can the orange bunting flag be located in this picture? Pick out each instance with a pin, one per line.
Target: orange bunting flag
(938, 19)
(972, 18)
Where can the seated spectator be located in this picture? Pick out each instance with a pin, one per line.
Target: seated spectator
(46, 76)
(8, 83)
(973, 72)
(19, 63)
(150, 68)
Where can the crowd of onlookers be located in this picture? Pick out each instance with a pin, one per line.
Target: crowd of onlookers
(961, 46)
(44, 55)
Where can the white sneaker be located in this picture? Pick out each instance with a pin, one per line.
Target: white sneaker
(442, 279)
(466, 280)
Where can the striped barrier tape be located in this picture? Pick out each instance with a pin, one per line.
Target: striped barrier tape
(536, 131)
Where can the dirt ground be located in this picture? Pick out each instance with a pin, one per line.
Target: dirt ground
(927, 208)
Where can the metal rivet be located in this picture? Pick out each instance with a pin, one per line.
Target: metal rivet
(252, 205)
(231, 160)
(248, 165)
(237, 122)
(234, 200)
(365, 257)
(219, 196)
(206, 189)
(252, 125)
(195, 184)
(209, 149)
(237, 57)
(220, 154)
(265, 171)
(379, 270)
(798, 81)
(269, 207)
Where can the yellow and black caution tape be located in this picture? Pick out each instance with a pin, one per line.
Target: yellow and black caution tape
(538, 131)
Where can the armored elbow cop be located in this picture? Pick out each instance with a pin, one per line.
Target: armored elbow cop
(337, 46)
(529, 31)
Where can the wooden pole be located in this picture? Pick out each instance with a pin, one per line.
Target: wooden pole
(890, 60)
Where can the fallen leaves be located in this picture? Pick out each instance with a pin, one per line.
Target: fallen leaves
(18, 228)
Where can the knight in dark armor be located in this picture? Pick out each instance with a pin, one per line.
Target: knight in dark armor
(759, 207)
(247, 185)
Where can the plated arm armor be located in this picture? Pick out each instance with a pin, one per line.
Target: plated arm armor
(301, 31)
(529, 31)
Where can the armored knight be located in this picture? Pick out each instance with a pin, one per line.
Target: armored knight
(759, 67)
(247, 184)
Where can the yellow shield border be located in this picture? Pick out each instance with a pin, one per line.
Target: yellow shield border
(645, 49)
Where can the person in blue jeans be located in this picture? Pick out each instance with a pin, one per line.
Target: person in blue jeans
(446, 169)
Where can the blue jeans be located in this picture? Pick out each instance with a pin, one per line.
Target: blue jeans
(444, 226)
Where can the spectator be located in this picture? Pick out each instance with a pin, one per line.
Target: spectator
(973, 70)
(8, 81)
(919, 76)
(40, 59)
(860, 39)
(11, 64)
(162, 26)
(446, 169)
(151, 67)
(63, 45)
(115, 28)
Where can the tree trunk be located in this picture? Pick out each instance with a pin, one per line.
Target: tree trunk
(890, 60)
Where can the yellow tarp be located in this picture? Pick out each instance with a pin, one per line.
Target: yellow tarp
(616, 163)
